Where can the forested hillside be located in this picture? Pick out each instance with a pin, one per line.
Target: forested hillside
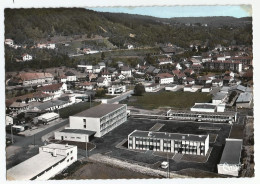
(30, 25)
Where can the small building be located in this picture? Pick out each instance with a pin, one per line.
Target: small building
(50, 160)
(230, 160)
(190, 88)
(9, 120)
(171, 87)
(116, 89)
(18, 107)
(164, 78)
(219, 98)
(206, 88)
(164, 61)
(126, 71)
(152, 87)
(86, 85)
(169, 142)
(217, 82)
(54, 89)
(100, 119)
(203, 107)
(31, 78)
(77, 135)
(102, 82)
(71, 77)
(9, 42)
(27, 57)
(46, 118)
(244, 100)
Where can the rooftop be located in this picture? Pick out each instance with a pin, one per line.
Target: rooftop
(33, 166)
(78, 131)
(232, 151)
(204, 106)
(99, 110)
(164, 75)
(244, 97)
(219, 96)
(52, 87)
(166, 135)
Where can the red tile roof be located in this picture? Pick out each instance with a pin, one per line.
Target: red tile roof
(33, 76)
(164, 75)
(52, 87)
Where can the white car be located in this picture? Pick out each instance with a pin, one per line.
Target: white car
(164, 165)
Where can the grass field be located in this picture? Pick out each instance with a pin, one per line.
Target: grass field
(175, 100)
(76, 108)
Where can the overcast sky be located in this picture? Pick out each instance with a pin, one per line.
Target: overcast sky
(182, 11)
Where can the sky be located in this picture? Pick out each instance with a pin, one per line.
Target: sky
(182, 11)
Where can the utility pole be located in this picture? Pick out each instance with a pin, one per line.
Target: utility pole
(86, 149)
(33, 139)
(12, 137)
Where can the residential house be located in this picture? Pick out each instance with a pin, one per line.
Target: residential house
(106, 74)
(54, 89)
(116, 89)
(26, 57)
(217, 82)
(171, 87)
(126, 71)
(152, 87)
(71, 77)
(120, 64)
(188, 72)
(164, 61)
(206, 88)
(102, 82)
(189, 80)
(18, 107)
(219, 98)
(9, 42)
(86, 85)
(31, 78)
(164, 78)
(9, 120)
(190, 88)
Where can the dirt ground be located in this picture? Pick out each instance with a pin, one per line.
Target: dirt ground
(102, 171)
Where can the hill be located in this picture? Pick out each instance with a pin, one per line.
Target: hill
(31, 25)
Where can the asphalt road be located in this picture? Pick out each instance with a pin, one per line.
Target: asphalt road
(22, 144)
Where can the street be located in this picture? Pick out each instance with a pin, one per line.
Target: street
(22, 144)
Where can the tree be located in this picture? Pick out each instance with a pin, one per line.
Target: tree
(103, 56)
(139, 90)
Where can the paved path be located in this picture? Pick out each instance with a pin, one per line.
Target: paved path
(24, 142)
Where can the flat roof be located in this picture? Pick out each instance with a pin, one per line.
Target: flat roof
(58, 146)
(99, 110)
(204, 106)
(48, 115)
(201, 113)
(33, 166)
(166, 135)
(232, 151)
(244, 97)
(219, 96)
(78, 131)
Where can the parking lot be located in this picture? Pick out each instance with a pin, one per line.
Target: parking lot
(113, 144)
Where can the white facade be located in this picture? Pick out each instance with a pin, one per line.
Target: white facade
(103, 123)
(103, 83)
(169, 142)
(71, 78)
(27, 57)
(190, 89)
(206, 90)
(9, 42)
(116, 89)
(152, 88)
(47, 117)
(171, 88)
(51, 160)
(107, 76)
(127, 73)
(8, 120)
